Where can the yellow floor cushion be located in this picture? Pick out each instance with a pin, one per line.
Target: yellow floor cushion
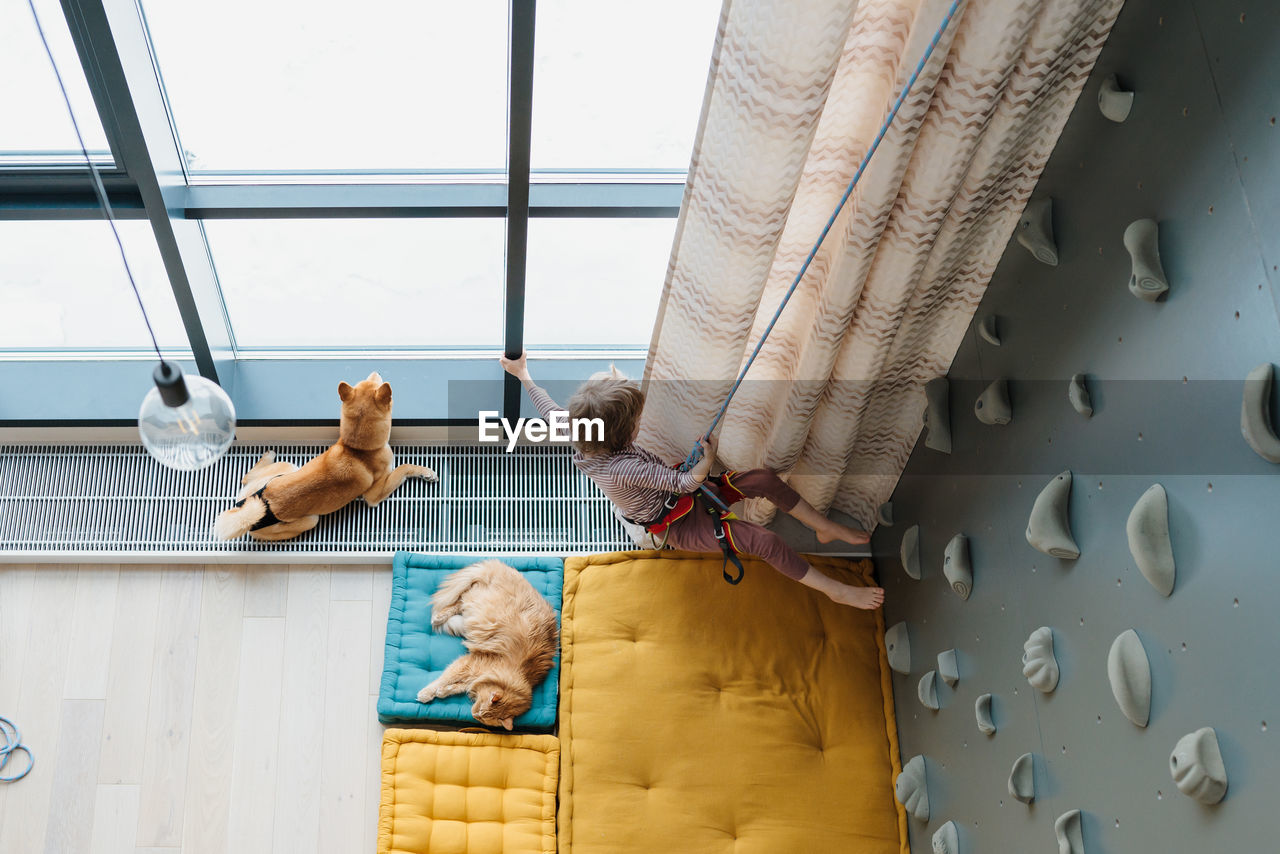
(467, 793)
(700, 717)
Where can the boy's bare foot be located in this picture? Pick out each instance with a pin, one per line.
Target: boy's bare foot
(866, 598)
(833, 531)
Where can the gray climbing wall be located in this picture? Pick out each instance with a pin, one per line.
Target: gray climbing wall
(1200, 153)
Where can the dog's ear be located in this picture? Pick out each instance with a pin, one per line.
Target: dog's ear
(383, 394)
(507, 723)
(345, 391)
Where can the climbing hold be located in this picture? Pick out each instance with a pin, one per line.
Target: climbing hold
(982, 711)
(937, 415)
(928, 690)
(1147, 281)
(1022, 779)
(1197, 767)
(1255, 413)
(1039, 664)
(1148, 531)
(946, 839)
(1114, 102)
(1078, 394)
(992, 406)
(1130, 674)
(1070, 833)
(909, 552)
(1035, 231)
(948, 667)
(897, 646)
(884, 514)
(911, 789)
(988, 331)
(1049, 528)
(956, 566)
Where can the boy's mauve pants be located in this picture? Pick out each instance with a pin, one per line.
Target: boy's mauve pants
(695, 532)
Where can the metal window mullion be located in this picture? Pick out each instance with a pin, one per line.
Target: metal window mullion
(519, 122)
(114, 50)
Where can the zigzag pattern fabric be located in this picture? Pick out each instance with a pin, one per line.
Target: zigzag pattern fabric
(796, 93)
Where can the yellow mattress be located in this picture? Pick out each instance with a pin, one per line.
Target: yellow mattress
(467, 793)
(700, 717)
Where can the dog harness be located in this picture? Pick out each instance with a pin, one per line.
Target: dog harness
(678, 505)
(268, 518)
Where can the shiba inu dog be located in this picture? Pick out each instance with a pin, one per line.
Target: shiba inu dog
(279, 501)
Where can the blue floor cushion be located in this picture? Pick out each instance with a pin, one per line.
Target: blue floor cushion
(416, 655)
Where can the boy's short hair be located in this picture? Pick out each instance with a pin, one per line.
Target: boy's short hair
(617, 402)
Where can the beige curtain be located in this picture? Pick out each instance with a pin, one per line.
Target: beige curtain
(796, 93)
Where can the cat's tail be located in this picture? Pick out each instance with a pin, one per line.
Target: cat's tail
(235, 522)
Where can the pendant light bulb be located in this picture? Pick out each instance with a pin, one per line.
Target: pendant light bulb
(186, 423)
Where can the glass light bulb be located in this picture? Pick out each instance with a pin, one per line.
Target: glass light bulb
(192, 435)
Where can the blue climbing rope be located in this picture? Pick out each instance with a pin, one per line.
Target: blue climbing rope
(10, 743)
(696, 453)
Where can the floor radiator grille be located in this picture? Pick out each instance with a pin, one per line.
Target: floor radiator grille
(113, 502)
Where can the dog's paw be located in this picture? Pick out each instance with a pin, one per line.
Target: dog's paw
(427, 474)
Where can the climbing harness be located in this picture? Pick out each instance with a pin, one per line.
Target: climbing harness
(11, 743)
(678, 505)
(696, 453)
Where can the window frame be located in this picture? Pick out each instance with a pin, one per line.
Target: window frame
(148, 179)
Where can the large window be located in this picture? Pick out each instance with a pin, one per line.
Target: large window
(310, 191)
(35, 126)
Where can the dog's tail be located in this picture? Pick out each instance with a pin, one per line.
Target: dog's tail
(235, 522)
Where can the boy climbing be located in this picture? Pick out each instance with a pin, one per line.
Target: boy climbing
(640, 484)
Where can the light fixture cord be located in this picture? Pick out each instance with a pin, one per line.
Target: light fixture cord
(97, 180)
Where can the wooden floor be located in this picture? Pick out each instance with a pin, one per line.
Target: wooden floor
(192, 708)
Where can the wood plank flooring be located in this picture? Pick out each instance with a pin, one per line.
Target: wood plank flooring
(193, 708)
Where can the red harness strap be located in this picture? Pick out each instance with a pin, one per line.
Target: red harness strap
(682, 505)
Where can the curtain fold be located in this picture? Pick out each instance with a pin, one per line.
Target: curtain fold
(796, 94)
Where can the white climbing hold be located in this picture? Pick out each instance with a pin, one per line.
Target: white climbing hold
(1129, 672)
(1114, 102)
(1148, 532)
(1070, 833)
(1035, 231)
(956, 566)
(1049, 528)
(911, 789)
(937, 415)
(982, 711)
(1022, 779)
(884, 514)
(1255, 414)
(946, 839)
(897, 647)
(1078, 394)
(909, 552)
(949, 667)
(1039, 664)
(992, 406)
(927, 690)
(988, 330)
(1147, 280)
(1197, 767)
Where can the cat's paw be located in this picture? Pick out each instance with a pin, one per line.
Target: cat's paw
(427, 694)
(455, 626)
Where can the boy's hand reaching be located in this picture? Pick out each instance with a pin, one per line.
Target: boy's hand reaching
(517, 367)
(703, 466)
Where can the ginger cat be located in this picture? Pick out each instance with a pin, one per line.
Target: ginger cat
(510, 633)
